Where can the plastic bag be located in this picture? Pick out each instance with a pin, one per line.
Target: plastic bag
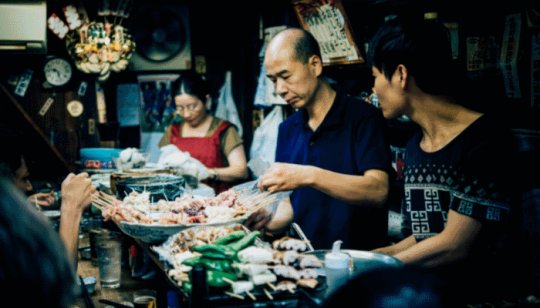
(265, 136)
(130, 158)
(260, 93)
(226, 107)
(258, 166)
(265, 95)
(250, 188)
(172, 157)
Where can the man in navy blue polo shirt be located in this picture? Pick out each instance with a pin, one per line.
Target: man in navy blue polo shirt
(332, 152)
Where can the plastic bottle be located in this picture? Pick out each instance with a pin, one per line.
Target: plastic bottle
(336, 265)
(199, 291)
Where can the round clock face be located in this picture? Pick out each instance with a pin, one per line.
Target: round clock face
(57, 71)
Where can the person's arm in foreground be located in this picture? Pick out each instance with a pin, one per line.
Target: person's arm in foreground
(237, 169)
(42, 199)
(397, 247)
(370, 188)
(77, 193)
(452, 244)
(273, 222)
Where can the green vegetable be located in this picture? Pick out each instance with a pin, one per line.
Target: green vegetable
(192, 261)
(229, 238)
(215, 251)
(187, 287)
(217, 264)
(244, 242)
(222, 265)
(215, 278)
(216, 255)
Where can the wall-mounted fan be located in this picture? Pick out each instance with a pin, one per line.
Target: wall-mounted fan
(162, 35)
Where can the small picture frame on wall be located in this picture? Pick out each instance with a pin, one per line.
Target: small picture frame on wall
(329, 24)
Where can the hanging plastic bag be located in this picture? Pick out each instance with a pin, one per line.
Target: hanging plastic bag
(265, 136)
(226, 107)
(265, 94)
(260, 93)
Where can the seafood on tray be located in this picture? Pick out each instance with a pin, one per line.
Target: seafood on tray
(227, 206)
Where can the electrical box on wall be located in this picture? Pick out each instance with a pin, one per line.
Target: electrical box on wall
(162, 37)
(23, 27)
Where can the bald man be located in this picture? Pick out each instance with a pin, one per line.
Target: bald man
(332, 153)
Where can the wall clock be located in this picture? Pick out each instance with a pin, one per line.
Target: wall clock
(58, 71)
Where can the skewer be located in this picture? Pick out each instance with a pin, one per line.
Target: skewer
(273, 287)
(102, 197)
(107, 196)
(251, 296)
(268, 294)
(227, 280)
(98, 206)
(98, 203)
(259, 206)
(103, 201)
(108, 199)
(231, 294)
(302, 235)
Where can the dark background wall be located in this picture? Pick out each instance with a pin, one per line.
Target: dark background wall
(228, 35)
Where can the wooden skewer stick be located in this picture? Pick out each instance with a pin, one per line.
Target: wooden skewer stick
(270, 297)
(251, 295)
(231, 294)
(104, 199)
(100, 204)
(102, 196)
(227, 280)
(107, 196)
(290, 289)
(99, 207)
(273, 287)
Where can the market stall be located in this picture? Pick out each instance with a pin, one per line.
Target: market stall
(240, 266)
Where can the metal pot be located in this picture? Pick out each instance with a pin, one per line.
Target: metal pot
(161, 186)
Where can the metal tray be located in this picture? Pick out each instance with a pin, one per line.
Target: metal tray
(361, 260)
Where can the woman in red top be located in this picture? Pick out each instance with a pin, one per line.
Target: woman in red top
(213, 141)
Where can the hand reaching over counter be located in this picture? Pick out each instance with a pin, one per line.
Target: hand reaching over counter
(77, 193)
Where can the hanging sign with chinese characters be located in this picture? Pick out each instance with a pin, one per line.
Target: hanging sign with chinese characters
(329, 24)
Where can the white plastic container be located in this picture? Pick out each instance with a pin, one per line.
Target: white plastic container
(336, 265)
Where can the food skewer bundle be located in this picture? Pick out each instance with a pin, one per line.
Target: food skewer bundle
(239, 266)
(227, 206)
(178, 247)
